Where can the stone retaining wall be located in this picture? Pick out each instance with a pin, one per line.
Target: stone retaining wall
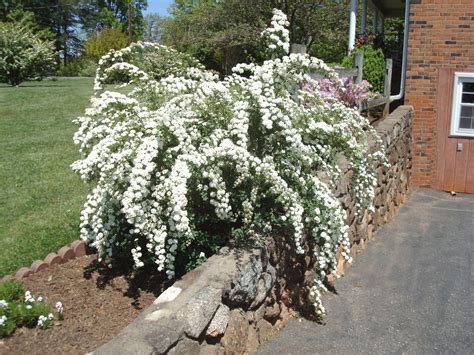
(238, 298)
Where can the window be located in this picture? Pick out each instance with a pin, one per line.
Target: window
(462, 117)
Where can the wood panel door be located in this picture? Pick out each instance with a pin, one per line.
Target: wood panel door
(455, 152)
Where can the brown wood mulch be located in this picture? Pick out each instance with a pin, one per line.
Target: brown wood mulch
(98, 303)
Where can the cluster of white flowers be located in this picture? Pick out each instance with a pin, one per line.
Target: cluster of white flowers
(43, 320)
(59, 307)
(32, 305)
(125, 65)
(277, 34)
(249, 151)
(29, 297)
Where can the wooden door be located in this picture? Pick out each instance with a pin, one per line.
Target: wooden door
(455, 153)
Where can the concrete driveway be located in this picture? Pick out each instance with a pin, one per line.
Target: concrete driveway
(409, 292)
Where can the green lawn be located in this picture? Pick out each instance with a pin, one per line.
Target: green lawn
(40, 197)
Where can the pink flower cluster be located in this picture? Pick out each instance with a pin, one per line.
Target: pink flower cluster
(342, 89)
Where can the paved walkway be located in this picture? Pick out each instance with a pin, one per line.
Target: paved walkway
(410, 291)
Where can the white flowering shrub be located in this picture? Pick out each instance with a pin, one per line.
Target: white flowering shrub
(181, 164)
(23, 54)
(141, 61)
(277, 35)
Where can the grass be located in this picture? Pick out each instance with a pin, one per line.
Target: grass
(40, 197)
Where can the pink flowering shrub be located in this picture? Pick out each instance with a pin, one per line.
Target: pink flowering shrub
(341, 89)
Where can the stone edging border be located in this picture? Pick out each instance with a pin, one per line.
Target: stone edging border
(74, 250)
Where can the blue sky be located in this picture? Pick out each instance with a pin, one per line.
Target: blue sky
(159, 6)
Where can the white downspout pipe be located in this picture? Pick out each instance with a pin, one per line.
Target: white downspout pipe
(363, 19)
(406, 28)
(352, 24)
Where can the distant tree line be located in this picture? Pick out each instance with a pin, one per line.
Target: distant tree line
(223, 33)
(219, 33)
(71, 22)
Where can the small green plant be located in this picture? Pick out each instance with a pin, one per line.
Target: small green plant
(19, 308)
(374, 65)
(11, 290)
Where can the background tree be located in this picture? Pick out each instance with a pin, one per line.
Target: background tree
(100, 43)
(95, 15)
(24, 53)
(67, 18)
(153, 29)
(60, 17)
(224, 33)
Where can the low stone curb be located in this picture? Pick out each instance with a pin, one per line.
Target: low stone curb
(76, 249)
(231, 303)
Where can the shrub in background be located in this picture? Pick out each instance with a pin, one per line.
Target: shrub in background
(374, 65)
(152, 61)
(183, 161)
(78, 67)
(23, 54)
(342, 89)
(98, 44)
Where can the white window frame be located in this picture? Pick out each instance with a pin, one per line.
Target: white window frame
(459, 78)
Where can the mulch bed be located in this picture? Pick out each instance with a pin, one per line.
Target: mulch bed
(98, 303)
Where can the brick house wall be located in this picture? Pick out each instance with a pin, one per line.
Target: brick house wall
(441, 36)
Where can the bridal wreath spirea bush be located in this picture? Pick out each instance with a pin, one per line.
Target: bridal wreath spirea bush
(182, 163)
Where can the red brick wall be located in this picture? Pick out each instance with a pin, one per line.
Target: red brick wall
(441, 36)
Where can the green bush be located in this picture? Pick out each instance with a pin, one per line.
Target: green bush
(330, 52)
(72, 68)
(374, 65)
(99, 44)
(88, 68)
(77, 67)
(23, 54)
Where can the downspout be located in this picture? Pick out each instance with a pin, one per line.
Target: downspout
(352, 25)
(404, 56)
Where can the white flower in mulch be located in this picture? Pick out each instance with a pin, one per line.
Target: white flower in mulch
(42, 321)
(28, 297)
(59, 307)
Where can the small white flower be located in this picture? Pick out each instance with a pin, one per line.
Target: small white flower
(28, 297)
(59, 307)
(3, 304)
(42, 321)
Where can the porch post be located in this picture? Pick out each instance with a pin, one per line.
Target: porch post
(375, 20)
(352, 24)
(363, 19)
